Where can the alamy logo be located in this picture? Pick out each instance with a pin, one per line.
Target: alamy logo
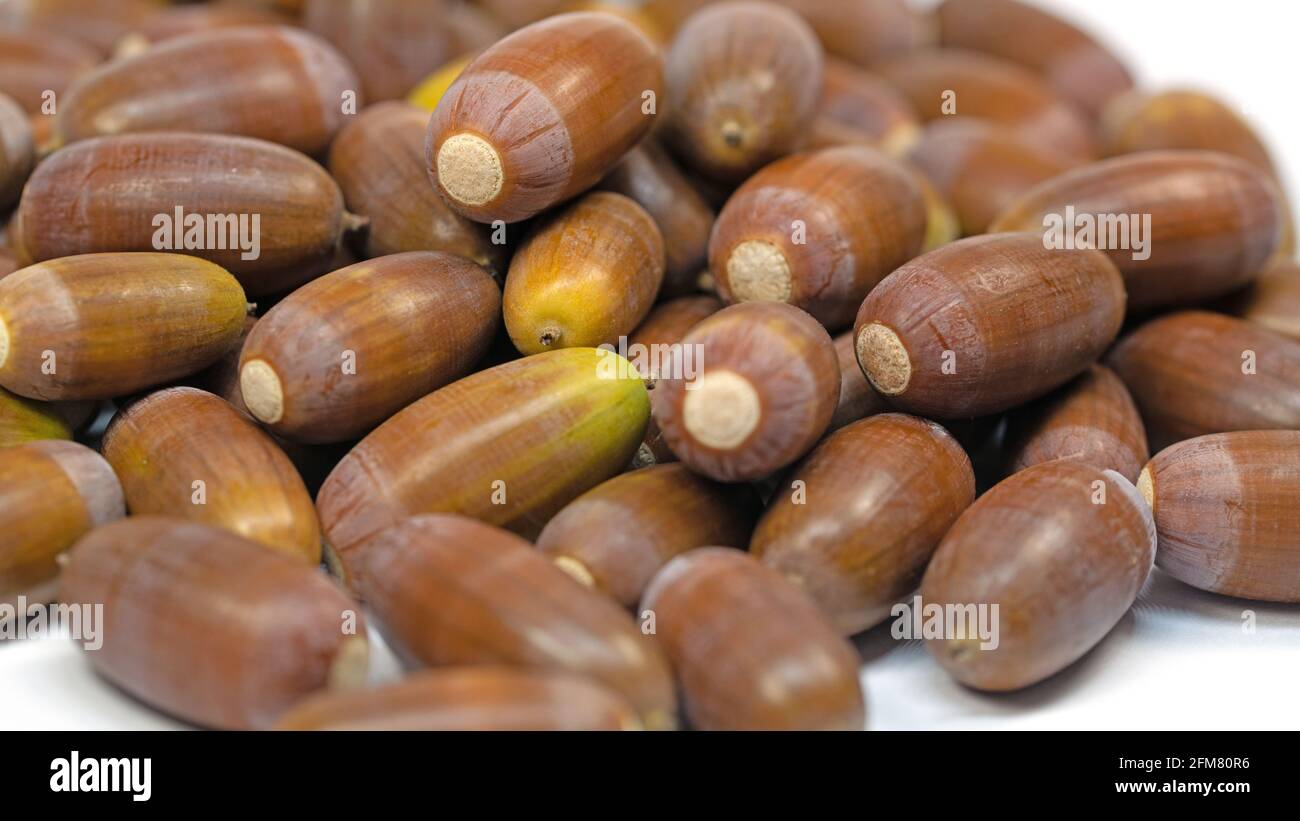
(20, 620)
(180, 231)
(656, 361)
(946, 621)
(1104, 232)
(77, 774)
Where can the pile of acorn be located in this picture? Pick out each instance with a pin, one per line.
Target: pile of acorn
(355, 282)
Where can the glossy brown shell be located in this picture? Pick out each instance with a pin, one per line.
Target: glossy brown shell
(17, 151)
(33, 62)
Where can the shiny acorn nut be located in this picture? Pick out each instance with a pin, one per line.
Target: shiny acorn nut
(35, 62)
(944, 82)
(871, 504)
(1226, 514)
(211, 627)
(121, 323)
(587, 275)
(1273, 299)
(278, 83)
(1092, 420)
(184, 453)
(1061, 549)
(274, 225)
(818, 231)
(1210, 222)
(743, 80)
(767, 386)
(858, 399)
(448, 590)
(27, 420)
(176, 21)
(17, 151)
(648, 175)
(859, 99)
(1196, 372)
(987, 323)
(863, 31)
(97, 24)
(981, 168)
(345, 352)
(51, 494)
(750, 650)
(468, 698)
(1081, 69)
(510, 445)
(617, 535)
(542, 115)
(378, 161)
(1179, 119)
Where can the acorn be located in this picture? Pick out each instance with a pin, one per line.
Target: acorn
(617, 535)
(1180, 119)
(1060, 549)
(1076, 65)
(448, 590)
(1226, 515)
(542, 115)
(510, 446)
(854, 524)
(378, 161)
(586, 276)
(177, 21)
(982, 168)
(751, 652)
(468, 698)
(51, 494)
(987, 323)
(17, 151)
(1209, 222)
(96, 24)
(345, 352)
(184, 453)
(648, 175)
(1273, 299)
(278, 83)
(1197, 372)
(768, 385)
(858, 399)
(36, 66)
(818, 231)
(27, 420)
(211, 627)
(743, 80)
(121, 323)
(274, 225)
(862, 101)
(865, 32)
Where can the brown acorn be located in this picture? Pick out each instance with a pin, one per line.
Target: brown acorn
(25, 420)
(743, 80)
(1196, 372)
(1209, 224)
(177, 21)
(448, 590)
(858, 399)
(17, 151)
(767, 385)
(1079, 67)
(35, 62)
(987, 323)
(818, 231)
(542, 115)
(346, 351)
(51, 494)
(1060, 549)
(457, 699)
(1273, 299)
(617, 535)
(96, 24)
(855, 523)
(510, 445)
(274, 225)
(210, 627)
(121, 323)
(1092, 419)
(378, 161)
(859, 99)
(277, 83)
(648, 175)
(1226, 514)
(863, 31)
(981, 168)
(751, 652)
(186, 454)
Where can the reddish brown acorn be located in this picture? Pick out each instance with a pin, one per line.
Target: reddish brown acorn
(617, 535)
(37, 66)
(987, 323)
(1092, 419)
(1060, 549)
(449, 590)
(743, 80)
(210, 627)
(97, 24)
(857, 398)
(818, 231)
(855, 523)
(765, 386)
(17, 151)
(1196, 372)
(1208, 222)
(750, 651)
(1273, 299)
(1226, 513)
(542, 115)
(863, 102)
(863, 31)
(1180, 118)
(177, 21)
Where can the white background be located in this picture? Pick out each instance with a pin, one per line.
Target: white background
(1179, 659)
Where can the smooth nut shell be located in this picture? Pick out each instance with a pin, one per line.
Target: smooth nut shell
(1273, 300)
(863, 31)
(858, 399)
(17, 151)
(34, 62)
(866, 103)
